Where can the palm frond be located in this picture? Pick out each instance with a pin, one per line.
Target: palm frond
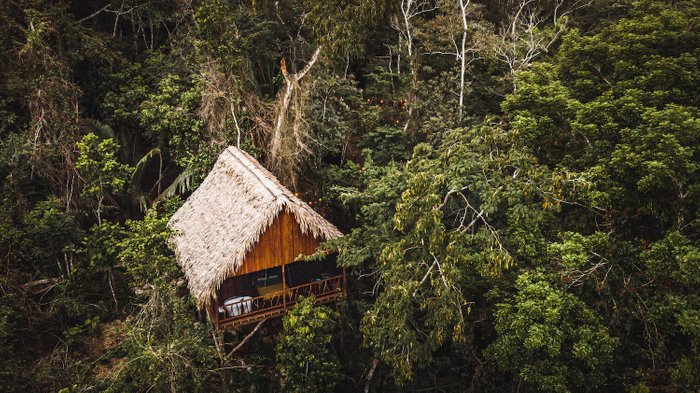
(181, 184)
(141, 164)
(103, 131)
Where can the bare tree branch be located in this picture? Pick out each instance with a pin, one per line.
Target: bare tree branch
(94, 14)
(288, 142)
(246, 338)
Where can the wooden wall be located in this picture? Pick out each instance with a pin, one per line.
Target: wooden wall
(282, 242)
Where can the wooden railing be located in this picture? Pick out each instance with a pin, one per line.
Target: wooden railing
(263, 307)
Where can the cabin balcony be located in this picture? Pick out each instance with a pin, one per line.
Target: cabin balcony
(253, 297)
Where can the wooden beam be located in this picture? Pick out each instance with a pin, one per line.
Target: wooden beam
(246, 338)
(284, 289)
(345, 282)
(215, 310)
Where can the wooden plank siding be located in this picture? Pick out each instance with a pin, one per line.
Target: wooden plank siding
(281, 243)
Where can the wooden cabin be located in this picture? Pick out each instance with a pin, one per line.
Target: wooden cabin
(241, 239)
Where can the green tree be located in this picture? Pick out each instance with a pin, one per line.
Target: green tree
(620, 109)
(145, 251)
(467, 212)
(551, 339)
(305, 358)
(166, 350)
(51, 234)
(102, 173)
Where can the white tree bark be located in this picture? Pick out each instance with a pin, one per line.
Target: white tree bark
(524, 39)
(409, 10)
(290, 138)
(291, 81)
(463, 9)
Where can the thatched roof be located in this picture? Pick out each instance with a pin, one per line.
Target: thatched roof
(224, 218)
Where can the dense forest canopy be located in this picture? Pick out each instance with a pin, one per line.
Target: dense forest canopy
(518, 182)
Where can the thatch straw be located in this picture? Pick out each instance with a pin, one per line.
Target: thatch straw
(224, 218)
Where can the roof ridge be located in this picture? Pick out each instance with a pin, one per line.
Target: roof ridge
(252, 172)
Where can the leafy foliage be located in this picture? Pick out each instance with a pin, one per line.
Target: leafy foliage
(551, 338)
(145, 250)
(166, 352)
(518, 183)
(102, 173)
(305, 359)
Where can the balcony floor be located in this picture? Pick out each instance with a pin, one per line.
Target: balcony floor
(252, 310)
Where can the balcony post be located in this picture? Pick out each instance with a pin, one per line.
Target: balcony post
(284, 289)
(215, 310)
(345, 282)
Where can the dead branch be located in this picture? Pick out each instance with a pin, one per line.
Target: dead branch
(94, 14)
(246, 338)
(45, 285)
(291, 81)
(370, 374)
(524, 39)
(218, 102)
(289, 140)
